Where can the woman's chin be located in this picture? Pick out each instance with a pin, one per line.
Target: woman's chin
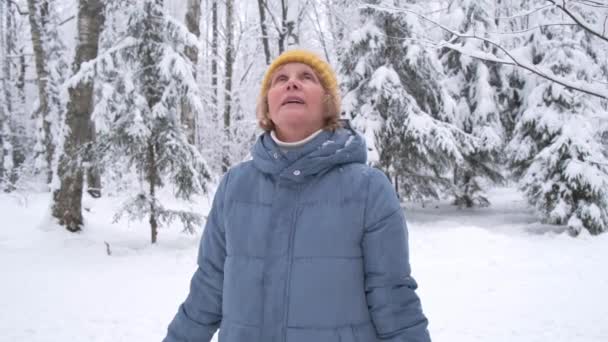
(294, 119)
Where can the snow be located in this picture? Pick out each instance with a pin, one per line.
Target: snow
(382, 75)
(367, 31)
(487, 274)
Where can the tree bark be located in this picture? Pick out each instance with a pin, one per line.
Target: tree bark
(188, 117)
(4, 94)
(153, 94)
(67, 206)
(152, 180)
(38, 16)
(19, 153)
(264, 30)
(12, 93)
(283, 29)
(214, 55)
(228, 81)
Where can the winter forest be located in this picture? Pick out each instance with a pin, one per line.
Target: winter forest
(124, 114)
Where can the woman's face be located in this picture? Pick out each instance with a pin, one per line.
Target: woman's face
(295, 99)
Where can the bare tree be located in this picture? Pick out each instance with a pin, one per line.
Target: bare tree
(214, 56)
(262, 10)
(5, 149)
(229, 63)
(67, 205)
(285, 26)
(286, 29)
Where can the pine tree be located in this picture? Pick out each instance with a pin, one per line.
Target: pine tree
(395, 97)
(144, 78)
(476, 86)
(510, 95)
(557, 146)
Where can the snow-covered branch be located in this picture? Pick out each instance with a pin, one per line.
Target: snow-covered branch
(591, 3)
(525, 14)
(19, 10)
(66, 20)
(577, 20)
(89, 69)
(510, 60)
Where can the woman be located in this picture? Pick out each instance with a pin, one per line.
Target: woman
(304, 243)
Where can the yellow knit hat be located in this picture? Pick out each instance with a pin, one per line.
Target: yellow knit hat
(324, 72)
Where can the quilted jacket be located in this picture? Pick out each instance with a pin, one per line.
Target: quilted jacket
(308, 245)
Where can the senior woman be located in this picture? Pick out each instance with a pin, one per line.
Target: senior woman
(305, 242)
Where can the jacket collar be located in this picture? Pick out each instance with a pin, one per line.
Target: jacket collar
(326, 150)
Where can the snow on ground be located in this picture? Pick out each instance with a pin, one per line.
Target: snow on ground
(492, 274)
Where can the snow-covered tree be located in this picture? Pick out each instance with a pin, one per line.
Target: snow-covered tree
(144, 77)
(395, 96)
(18, 41)
(15, 143)
(193, 17)
(6, 141)
(51, 69)
(557, 146)
(67, 197)
(476, 86)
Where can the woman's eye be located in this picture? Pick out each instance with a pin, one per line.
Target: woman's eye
(279, 79)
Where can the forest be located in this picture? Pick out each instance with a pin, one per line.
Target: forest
(156, 99)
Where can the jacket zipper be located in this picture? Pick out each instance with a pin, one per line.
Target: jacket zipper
(292, 234)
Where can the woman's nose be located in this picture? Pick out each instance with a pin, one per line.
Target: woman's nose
(292, 84)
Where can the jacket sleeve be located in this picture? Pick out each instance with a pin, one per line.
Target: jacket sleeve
(394, 306)
(199, 316)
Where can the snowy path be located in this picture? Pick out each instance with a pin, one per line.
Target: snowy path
(492, 274)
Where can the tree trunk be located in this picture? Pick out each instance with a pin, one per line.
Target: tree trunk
(152, 178)
(336, 28)
(19, 154)
(67, 205)
(320, 32)
(214, 55)
(283, 28)
(152, 93)
(192, 22)
(264, 30)
(11, 158)
(228, 81)
(93, 173)
(38, 15)
(4, 93)
(397, 186)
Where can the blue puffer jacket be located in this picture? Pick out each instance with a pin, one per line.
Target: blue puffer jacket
(304, 246)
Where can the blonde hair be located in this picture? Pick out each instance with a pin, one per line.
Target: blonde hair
(325, 74)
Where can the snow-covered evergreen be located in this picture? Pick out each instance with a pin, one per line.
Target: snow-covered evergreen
(143, 75)
(475, 85)
(396, 98)
(557, 148)
(437, 109)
